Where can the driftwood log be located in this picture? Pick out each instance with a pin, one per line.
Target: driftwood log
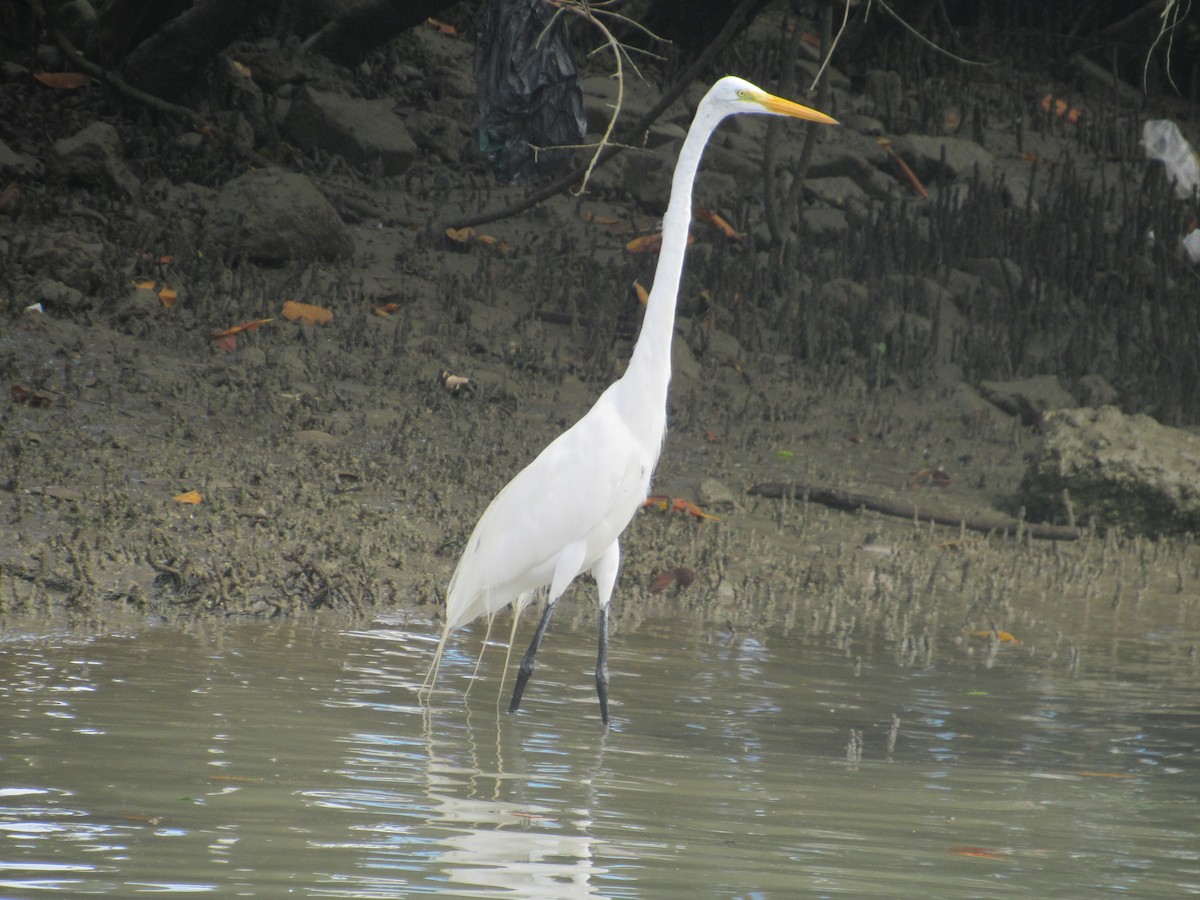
(848, 501)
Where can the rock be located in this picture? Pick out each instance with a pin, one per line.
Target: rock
(1003, 274)
(1094, 390)
(1118, 470)
(93, 157)
(360, 131)
(13, 163)
(836, 190)
(824, 222)
(715, 494)
(272, 217)
(58, 297)
(434, 133)
(924, 153)
(1028, 398)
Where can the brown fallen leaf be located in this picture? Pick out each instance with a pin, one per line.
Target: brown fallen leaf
(227, 338)
(677, 504)
(62, 81)
(469, 236)
(647, 243)
(442, 27)
(681, 576)
(1002, 636)
(192, 497)
(643, 295)
(704, 214)
(23, 394)
(306, 313)
(908, 173)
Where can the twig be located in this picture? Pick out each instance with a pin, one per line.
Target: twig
(669, 96)
(122, 86)
(848, 501)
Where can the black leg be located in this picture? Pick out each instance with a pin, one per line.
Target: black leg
(527, 663)
(602, 666)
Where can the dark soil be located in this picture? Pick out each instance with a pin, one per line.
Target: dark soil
(337, 468)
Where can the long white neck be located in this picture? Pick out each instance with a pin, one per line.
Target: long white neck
(649, 370)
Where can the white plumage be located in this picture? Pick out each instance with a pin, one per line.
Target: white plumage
(563, 514)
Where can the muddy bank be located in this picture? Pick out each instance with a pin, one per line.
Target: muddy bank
(336, 468)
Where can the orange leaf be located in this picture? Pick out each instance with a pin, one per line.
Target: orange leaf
(442, 27)
(677, 504)
(908, 173)
(712, 218)
(192, 497)
(687, 506)
(647, 243)
(252, 325)
(460, 235)
(62, 81)
(167, 296)
(643, 295)
(493, 242)
(305, 313)
(651, 243)
(1002, 636)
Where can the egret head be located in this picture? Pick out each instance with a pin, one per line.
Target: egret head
(734, 95)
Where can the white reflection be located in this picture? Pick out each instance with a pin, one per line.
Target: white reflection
(471, 826)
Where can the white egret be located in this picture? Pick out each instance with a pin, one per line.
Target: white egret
(563, 514)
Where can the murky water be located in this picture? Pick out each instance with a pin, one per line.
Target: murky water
(259, 760)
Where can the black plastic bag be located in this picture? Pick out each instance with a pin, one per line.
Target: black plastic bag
(526, 87)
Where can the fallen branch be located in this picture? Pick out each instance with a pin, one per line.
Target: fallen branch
(853, 502)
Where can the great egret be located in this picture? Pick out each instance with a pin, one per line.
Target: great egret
(563, 514)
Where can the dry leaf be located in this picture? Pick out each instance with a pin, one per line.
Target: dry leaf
(252, 325)
(240, 68)
(62, 81)
(470, 236)
(442, 27)
(681, 576)
(647, 243)
(167, 296)
(1062, 109)
(22, 394)
(643, 295)
(1002, 636)
(192, 497)
(306, 313)
(678, 504)
(712, 218)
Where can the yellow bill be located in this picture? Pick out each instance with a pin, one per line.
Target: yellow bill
(782, 107)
